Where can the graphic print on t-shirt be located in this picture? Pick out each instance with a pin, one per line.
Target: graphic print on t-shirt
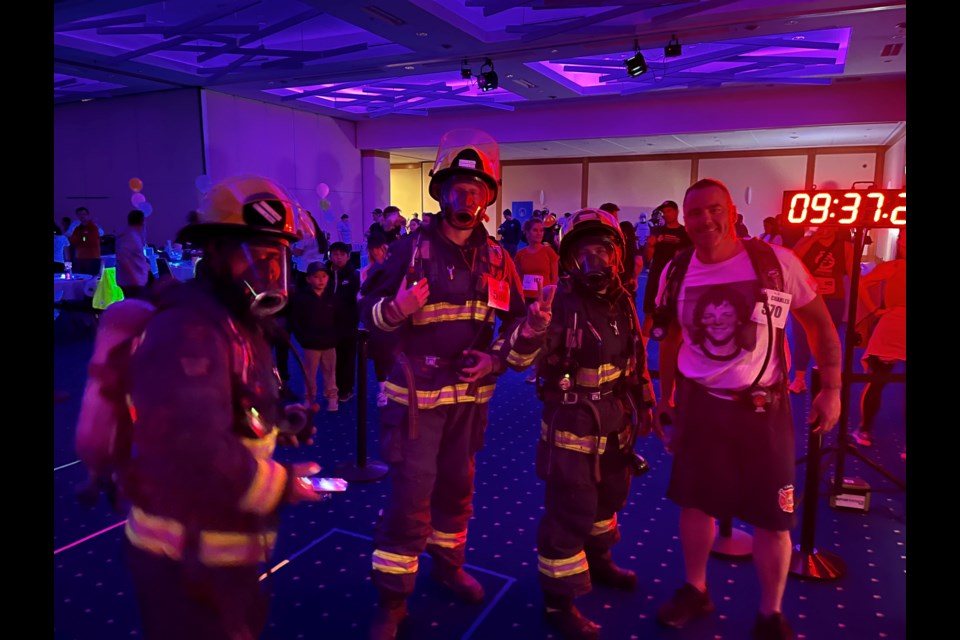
(717, 319)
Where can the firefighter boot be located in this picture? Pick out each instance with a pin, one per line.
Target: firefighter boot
(604, 571)
(461, 583)
(389, 615)
(563, 616)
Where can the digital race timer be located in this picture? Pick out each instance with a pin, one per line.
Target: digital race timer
(866, 208)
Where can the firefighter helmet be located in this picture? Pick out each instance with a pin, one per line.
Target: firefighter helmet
(587, 223)
(249, 206)
(467, 152)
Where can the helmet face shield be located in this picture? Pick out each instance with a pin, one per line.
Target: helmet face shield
(260, 265)
(463, 198)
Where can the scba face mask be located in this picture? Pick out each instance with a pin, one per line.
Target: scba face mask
(463, 200)
(260, 266)
(595, 266)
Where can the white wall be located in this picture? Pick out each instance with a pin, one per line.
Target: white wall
(767, 177)
(296, 148)
(99, 146)
(637, 186)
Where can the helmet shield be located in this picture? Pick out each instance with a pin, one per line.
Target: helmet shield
(467, 152)
(249, 206)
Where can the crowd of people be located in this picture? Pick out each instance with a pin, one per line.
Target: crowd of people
(449, 309)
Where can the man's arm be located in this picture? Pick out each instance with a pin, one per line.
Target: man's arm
(825, 346)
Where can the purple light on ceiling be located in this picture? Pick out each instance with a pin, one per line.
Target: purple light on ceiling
(830, 45)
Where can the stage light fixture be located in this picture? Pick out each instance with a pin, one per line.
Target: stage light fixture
(487, 78)
(672, 50)
(465, 72)
(636, 65)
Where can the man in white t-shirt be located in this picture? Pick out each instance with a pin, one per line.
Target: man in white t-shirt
(730, 429)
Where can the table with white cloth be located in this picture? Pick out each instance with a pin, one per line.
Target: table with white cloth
(76, 287)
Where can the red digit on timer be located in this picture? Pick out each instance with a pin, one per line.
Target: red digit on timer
(821, 202)
(879, 212)
(899, 214)
(854, 208)
(791, 215)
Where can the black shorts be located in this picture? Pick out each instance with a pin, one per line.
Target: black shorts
(733, 462)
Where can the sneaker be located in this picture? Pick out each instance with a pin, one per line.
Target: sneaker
(332, 405)
(862, 438)
(571, 624)
(773, 627)
(381, 399)
(346, 397)
(687, 603)
(799, 385)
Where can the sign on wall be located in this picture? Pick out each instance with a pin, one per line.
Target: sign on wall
(522, 210)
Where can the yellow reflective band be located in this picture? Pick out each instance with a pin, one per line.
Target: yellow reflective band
(573, 442)
(563, 567)
(394, 563)
(446, 312)
(378, 318)
(450, 394)
(266, 489)
(596, 377)
(447, 540)
(262, 448)
(521, 360)
(164, 536)
(604, 526)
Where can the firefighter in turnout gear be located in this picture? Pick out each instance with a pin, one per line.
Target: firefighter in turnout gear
(206, 416)
(597, 399)
(437, 297)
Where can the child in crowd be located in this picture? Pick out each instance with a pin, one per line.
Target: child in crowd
(313, 322)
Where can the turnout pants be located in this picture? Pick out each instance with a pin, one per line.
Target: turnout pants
(432, 491)
(579, 523)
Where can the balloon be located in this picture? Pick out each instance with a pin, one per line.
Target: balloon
(323, 190)
(324, 204)
(203, 183)
(146, 207)
(137, 198)
(135, 184)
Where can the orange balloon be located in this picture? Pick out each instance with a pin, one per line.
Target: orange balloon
(135, 184)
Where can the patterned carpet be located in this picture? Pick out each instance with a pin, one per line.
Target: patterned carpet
(322, 588)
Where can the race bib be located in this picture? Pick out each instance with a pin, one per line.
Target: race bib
(532, 283)
(779, 304)
(826, 286)
(498, 294)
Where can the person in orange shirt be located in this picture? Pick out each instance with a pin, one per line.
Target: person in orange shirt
(538, 265)
(85, 244)
(888, 340)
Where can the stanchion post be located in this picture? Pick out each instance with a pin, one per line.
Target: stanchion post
(363, 470)
(730, 543)
(806, 560)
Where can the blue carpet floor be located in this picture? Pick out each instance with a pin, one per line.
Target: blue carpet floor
(323, 590)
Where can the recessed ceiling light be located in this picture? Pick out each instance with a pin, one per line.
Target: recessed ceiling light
(794, 137)
(799, 38)
(554, 50)
(509, 75)
(86, 99)
(793, 22)
(408, 68)
(422, 34)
